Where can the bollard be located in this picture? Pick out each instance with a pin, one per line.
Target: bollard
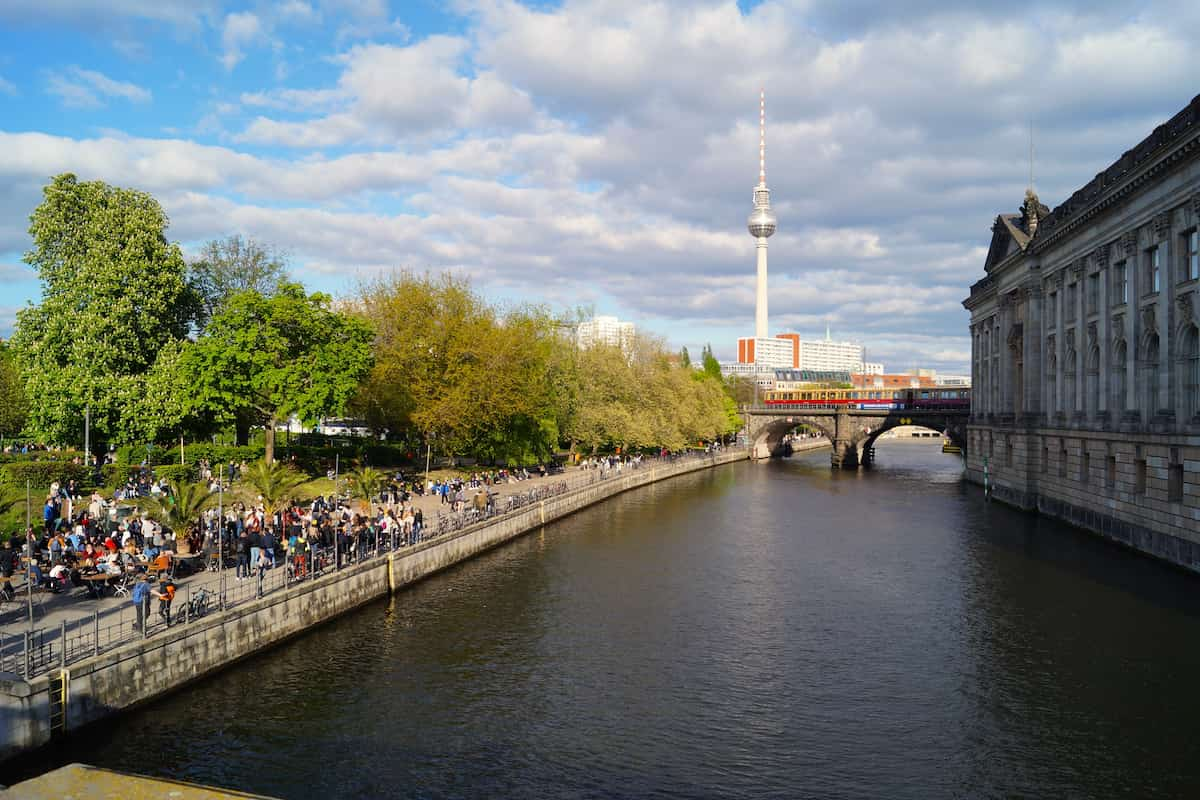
(96, 632)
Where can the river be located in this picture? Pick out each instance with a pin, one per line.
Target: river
(771, 630)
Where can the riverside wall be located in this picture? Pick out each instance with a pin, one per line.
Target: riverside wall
(33, 712)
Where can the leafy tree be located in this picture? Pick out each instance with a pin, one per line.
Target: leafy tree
(276, 356)
(273, 484)
(685, 360)
(113, 295)
(231, 265)
(712, 367)
(14, 405)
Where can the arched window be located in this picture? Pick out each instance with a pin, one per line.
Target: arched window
(1068, 383)
(1119, 365)
(1092, 386)
(1189, 362)
(1149, 375)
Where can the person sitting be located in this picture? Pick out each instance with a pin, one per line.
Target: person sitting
(109, 564)
(60, 578)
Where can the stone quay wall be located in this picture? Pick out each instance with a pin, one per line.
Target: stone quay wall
(35, 711)
(1138, 490)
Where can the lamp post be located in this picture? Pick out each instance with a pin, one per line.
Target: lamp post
(428, 453)
(29, 557)
(221, 531)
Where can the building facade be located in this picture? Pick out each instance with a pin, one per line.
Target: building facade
(605, 330)
(1085, 354)
(826, 354)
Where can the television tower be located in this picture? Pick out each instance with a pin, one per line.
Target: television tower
(762, 221)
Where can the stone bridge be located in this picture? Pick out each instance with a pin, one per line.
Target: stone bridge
(851, 432)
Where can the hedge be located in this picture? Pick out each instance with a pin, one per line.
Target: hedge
(42, 473)
(176, 474)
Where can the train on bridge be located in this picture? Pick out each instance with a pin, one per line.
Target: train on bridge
(940, 398)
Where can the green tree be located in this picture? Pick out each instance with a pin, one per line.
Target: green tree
(365, 484)
(276, 356)
(231, 265)
(712, 367)
(113, 295)
(14, 405)
(685, 360)
(273, 484)
(181, 509)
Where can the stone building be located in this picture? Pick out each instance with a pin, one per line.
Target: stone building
(1085, 355)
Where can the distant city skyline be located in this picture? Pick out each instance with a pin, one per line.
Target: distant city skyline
(586, 153)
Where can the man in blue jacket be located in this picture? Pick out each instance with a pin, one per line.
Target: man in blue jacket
(141, 601)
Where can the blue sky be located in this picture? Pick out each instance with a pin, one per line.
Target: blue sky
(595, 152)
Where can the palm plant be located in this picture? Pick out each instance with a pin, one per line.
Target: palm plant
(365, 484)
(180, 510)
(274, 484)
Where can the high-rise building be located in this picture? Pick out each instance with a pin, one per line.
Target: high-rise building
(604, 330)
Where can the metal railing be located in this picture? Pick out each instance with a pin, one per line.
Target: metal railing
(35, 651)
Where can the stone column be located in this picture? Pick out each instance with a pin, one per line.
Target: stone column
(1102, 336)
(1032, 350)
(1059, 331)
(1080, 339)
(1166, 283)
(1133, 275)
(1006, 359)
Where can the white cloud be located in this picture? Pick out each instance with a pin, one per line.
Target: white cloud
(388, 93)
(85, 88)
(241, 28)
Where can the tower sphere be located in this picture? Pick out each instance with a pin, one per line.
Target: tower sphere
(761, 222)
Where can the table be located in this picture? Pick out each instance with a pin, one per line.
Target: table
(97, 582)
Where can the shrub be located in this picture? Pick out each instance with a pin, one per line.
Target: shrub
(42, 473)
(176, 474)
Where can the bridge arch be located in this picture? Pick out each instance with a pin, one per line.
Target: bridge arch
(852, 433)
(766, 438)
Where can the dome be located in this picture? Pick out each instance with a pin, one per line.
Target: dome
(761, 223)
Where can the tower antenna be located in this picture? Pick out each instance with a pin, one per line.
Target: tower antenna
(762, 137)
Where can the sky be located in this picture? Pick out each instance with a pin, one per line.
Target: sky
(596, 153)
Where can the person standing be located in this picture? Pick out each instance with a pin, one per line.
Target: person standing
(140, 597)
(243, 556)
(261, 564)
(165, 594)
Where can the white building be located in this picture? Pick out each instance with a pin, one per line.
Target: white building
(766, 353)
(827, 355)
(870, 368)
(605, 330)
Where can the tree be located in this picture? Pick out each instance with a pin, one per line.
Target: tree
(14, 405)
(276, 356)
(685, 360)
(712, 367)
(273, 484)
(113, 295)
(365, 484)
(181, 509)
(231, 265)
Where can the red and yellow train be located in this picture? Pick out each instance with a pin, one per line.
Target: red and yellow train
(936, 398)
